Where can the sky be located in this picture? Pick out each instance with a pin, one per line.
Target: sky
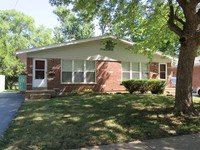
(40, 10)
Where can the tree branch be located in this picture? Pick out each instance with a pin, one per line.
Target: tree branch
(179, 20)
(173, 27)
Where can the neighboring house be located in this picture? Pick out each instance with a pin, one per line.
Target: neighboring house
(196, 75)
(90, 64)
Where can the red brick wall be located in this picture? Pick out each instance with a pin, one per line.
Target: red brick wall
(196, 77)
(154, 72)
(108, 77)
(173, 71)
(29, 69)
(53, 73)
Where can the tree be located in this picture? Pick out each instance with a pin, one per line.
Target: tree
(149, 24)
(71, 26)
(188, 31)
(17, 31)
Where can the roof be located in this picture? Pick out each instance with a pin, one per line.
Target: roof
(74, 42)
(70, 43)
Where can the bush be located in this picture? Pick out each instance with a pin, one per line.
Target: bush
(158, 86)
(131, 85)
(75, 92)
(88, 91)
(143, 86)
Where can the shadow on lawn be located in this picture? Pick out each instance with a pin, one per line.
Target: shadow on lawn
(81, 121)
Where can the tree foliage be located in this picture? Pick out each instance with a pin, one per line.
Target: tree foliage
(71, 26)
(150, 23)
(144, 22)
(17, 31)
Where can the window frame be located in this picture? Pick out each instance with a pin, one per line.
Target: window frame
(131, 71)
(165, 70)
(73, 72)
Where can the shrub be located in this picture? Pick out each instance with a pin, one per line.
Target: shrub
(143, 86)
(88, 91)
(131, 85)
(75, 92)
(158, 86)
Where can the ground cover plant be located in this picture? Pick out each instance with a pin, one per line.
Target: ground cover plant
(86, 120)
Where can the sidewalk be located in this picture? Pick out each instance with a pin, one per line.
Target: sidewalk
(185, 142)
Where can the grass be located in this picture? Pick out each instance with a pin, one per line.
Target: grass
(82, 121)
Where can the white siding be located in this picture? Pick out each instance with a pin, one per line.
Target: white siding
(91, 51)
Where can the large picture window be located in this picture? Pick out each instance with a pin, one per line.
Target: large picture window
(134, 70)
(78, 71)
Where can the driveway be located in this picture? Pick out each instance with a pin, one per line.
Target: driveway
(9, 104)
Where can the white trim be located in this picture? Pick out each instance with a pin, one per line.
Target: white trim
(165, 70)
(140, 69)
(45, 73)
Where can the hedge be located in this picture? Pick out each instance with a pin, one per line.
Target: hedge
(143, 86)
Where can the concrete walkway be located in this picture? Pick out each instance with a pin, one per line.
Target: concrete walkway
(185, 142)
(9, 104)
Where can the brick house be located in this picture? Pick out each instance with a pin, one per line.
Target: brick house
(195, 77)
(90, 64)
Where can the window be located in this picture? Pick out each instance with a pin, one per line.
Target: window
(145, 70)
(78, 71)
(90, 71)
(126, 70)
(39, 69)
(66, 71)
(162, 69)
(134, 70)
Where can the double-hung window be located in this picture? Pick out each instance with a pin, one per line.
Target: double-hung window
(78, 71)
(67, 71)
(145, 70)
(126, 73)
(134, 70)
(90, 71)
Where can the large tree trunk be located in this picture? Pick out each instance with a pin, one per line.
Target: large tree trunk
(183, 100)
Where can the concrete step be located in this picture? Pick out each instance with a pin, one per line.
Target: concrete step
(40, 96)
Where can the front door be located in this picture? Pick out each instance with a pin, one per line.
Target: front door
(39, 73)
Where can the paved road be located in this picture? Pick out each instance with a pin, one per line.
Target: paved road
(9, 104)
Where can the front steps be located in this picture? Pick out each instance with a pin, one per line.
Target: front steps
(39, 94)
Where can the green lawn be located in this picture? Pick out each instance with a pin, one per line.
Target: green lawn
(81, 121)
